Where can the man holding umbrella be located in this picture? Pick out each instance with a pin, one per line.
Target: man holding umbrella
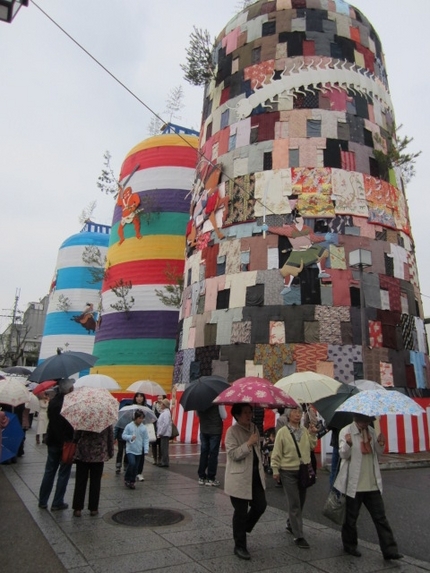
(211, 423)
(59, 431)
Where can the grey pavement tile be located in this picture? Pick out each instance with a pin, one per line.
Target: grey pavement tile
(180, 538)
(210, 550)
(84, 569)
(104, 543)
(294, 568)
(260, 561)
(185, 568)
(370, 561)
(145, 561)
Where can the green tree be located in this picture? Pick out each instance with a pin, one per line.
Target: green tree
(396, 155)
(107, 182)
(200, 67)
(171, 295)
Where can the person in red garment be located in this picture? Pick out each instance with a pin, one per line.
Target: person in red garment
(130, 204)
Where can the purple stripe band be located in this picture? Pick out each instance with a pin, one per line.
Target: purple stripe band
(161, 201)
(139, 324)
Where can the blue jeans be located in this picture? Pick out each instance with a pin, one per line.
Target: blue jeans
(209, 450)
(133, 464)
(53, 463)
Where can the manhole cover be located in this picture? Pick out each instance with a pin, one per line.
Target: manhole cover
(147, 517)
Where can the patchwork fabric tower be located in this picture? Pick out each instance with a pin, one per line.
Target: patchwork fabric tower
(75, 292)
(136, 339)
(295, 181)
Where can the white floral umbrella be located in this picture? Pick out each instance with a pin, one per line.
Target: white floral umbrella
(90, 409)
(371, 403)
(13, 392)
(97, 381)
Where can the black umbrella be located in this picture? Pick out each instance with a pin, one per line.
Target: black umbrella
(200, 394)
(62, 365)
(20, 370)
(327, 407)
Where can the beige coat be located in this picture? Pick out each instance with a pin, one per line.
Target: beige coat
(349, 473)
(284, 455)
(238, 471)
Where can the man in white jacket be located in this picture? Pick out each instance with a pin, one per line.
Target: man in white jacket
(360, 479)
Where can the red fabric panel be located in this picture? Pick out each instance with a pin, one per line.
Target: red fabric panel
(341, 281)
(143, 272)
(348, 160)
(309, 48)
(211, 260)
(225, 95)
(369, 57)
(162, 156)
(266, 125)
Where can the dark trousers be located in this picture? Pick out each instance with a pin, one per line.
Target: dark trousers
(375, 506)
(132, 468)
(209, 450)
(248, 512)
(84, 471)
(156, 454)
(53, 463)
(164, 450)
(334, 470)
(141, 464)
(121, 454)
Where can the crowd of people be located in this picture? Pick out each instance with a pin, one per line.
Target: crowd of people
(250, 455)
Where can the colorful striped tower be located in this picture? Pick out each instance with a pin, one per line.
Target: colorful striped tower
(298, 121)
(137, 336)
(75, 288)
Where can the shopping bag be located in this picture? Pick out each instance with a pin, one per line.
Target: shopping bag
(335, 507)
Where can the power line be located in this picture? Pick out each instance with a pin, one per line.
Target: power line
(105, 69)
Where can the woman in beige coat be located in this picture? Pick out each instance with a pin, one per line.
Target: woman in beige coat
(244, 476)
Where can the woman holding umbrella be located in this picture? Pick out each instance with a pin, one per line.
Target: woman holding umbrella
(92, 450)
(244, 476)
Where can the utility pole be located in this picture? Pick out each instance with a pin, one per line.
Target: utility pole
(14, 318)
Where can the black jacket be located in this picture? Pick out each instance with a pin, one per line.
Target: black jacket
(59, 430)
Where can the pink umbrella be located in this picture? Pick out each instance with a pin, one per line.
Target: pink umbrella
(252, 379)
(257, 392)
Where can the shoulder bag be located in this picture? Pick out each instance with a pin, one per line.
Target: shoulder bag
(68, 453)
(175, 431)
(307, 475)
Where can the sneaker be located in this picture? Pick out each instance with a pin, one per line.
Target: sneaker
(59, 507)
(302, 543)
(212, 483)
(140, 477)
(132, 486)
(127, 484)
(202, 481)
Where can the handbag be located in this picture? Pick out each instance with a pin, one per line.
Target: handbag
(68, 453)
(175, 431)
(335, 507)
(307, 475)
(151, 433)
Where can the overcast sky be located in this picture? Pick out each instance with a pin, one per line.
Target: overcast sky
(59, 113)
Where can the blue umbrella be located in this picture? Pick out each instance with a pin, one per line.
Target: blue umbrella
(371, 403)
(12, 437)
